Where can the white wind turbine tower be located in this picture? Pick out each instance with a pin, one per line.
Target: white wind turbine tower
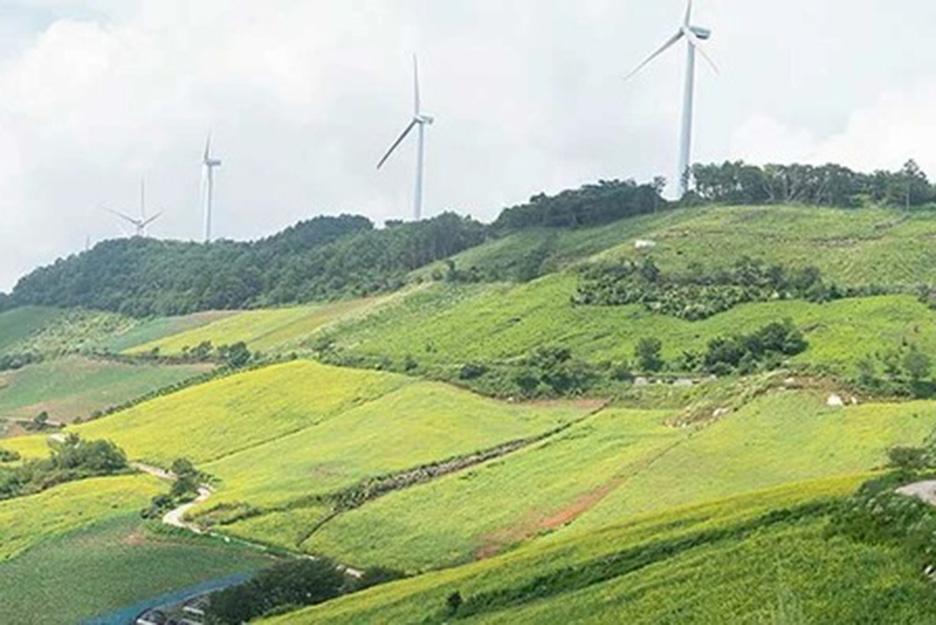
(420, 122)
(208, 166)
(694, 36)
(142, 221)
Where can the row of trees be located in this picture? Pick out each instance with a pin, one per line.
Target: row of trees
(826, 185)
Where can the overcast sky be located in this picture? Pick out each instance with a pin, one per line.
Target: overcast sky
(303, 97)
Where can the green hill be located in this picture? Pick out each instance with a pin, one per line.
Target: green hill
(726, 562)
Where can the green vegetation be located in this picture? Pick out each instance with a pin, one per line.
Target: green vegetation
(157, 328)
(28, 521)
(614, 466)
(70, 459)
(320, 259)
(19, 324)
(760, 558)
(76, 387)
(484, 324)
(275, 330)
(70, 577)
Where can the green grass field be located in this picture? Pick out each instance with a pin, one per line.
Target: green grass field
(275, 330)
(152, 330)
(456, 324)
(19, 324)
(92, 571)
(231, 414)
(28, 521)
(852, 247)
(75, 387)
(417, 424)
(784, 572)
(618, 465)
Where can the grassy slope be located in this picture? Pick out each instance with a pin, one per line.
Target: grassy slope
(78, 575)
(19, 324)
(27, 521)
(793, 566)
(618, 465)
(417, 424)
(153, 330)
(74, 387)
(231, 414)
(867, 246)
(455, 324)
(275, 330)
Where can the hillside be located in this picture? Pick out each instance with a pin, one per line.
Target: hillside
(562, 415)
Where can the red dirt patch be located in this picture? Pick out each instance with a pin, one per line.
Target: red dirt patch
(581, 505)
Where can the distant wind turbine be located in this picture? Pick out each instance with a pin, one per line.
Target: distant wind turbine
(143, 221)
(420, 122)
(208, 166)
(694, 36)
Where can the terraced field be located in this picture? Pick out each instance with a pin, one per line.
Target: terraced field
(153, 330)
(75, 387)
(701, 564)
(276, 330)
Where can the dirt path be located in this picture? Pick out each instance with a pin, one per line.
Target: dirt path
(176, 516)
(925, 490)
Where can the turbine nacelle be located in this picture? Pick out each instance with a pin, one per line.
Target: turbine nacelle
(424, 119)
(701, 33)
(212, 162)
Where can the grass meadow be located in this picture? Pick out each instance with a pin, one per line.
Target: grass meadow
(618, 465)
(75, 387)
(74, 576)
(779, 572)
(275, 330)
(19, 324)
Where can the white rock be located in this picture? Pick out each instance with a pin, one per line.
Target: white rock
(835, 401)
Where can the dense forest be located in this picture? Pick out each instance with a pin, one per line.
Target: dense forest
(347, 256)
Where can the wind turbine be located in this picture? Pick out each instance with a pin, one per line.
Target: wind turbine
(143, 221)
(208, 166)
(694, 36)
(419, 122)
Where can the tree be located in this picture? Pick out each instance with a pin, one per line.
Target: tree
(648, 352)
(917, 364)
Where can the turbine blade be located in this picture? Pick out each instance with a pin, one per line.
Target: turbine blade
(688, 17)
(135, 222)
(147, 222)
(397, 143)
(696, 43)
(207, 149)
(669, 43)
(416, 100)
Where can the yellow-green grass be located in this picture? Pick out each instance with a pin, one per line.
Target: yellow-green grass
(212, 420)
(75, 387)
(779, 438)
(415, 425)
(418, 598)
(618, 465)
(20, 323)
(274, 330)
(76, 576)
(483, 510)
(884, 246)
(27, 521)
(880, 246)
(457, 324)
(152, 330)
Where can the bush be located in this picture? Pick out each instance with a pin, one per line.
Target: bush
(7, 455)
(295, 583)
(648, 352)
(377, 575)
